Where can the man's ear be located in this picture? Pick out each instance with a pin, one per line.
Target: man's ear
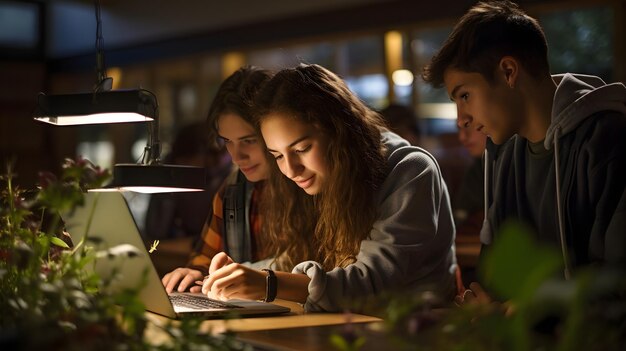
(509, 70)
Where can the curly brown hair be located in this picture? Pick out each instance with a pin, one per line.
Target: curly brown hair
(328, 227)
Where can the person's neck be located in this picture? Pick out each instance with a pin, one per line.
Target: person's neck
(539, 100)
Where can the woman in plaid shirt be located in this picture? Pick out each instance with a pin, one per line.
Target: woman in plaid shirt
(230, 120)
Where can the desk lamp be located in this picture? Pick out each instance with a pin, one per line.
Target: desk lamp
(104, 105)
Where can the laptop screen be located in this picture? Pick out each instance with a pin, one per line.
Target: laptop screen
(106, 223)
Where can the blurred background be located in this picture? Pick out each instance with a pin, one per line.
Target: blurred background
(182, 50)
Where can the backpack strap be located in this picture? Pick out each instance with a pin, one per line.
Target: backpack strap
(236, 203)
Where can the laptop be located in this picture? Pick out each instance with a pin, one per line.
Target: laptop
(124, 259)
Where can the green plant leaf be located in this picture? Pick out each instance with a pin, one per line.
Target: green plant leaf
(516, 266)
(339, 342)
(58, 242)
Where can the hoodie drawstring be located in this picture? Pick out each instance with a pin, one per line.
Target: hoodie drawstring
(486, 180)
(485, 230)
(559, 208)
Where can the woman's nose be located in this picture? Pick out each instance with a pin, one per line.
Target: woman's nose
(293, 167)
(238, 154)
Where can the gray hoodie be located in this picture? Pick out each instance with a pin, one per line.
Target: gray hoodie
(587, 136)
(411, 245)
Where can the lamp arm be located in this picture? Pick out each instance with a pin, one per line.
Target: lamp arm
(154, 144)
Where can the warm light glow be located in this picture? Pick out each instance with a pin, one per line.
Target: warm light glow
(157, 189)
(104, 190)
(116, 74)
(231, 62)
(402, 77)
(98, 118)
(145, 189)
(393, 51)
(445, 110)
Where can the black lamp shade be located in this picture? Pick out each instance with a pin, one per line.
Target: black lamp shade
(116, 106)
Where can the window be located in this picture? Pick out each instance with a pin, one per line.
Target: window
(20, 29)
(437, 113)
(580, 41)
(358, 61)
(283, 57)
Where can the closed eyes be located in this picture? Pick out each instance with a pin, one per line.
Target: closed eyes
(303, 150)
(297, 151)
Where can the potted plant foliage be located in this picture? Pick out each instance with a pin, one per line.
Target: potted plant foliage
(48, 299)
(533, 307)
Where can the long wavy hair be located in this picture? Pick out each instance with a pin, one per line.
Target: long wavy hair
(328, 227)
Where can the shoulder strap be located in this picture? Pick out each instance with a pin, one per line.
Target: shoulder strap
(237, 241)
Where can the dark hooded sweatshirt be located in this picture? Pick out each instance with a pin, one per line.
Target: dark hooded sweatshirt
(571, 189)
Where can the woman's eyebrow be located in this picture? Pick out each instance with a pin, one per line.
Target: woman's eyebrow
(253, 135)
(293, 143)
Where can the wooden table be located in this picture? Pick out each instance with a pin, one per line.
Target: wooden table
(297, 320)
(315, 338)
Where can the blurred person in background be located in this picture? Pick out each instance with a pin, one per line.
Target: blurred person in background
(468, 205)
(402, 120)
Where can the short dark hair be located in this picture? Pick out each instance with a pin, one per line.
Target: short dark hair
(486, 33)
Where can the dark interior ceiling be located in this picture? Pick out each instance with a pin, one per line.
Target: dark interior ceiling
(141, 30)
(138, 30)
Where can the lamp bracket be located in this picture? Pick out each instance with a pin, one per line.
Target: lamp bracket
(103, 83)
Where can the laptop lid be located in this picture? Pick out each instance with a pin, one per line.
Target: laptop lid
(109, 225)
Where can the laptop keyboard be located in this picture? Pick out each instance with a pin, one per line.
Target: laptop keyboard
(198, 302)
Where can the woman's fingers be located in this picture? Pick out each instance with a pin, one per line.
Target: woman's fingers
(217, 281)
(222, 272)
(218, 261)
(181, 277)
(195, 289)
(235, 281)
(170, 280)
(166, 278)
(189, 280)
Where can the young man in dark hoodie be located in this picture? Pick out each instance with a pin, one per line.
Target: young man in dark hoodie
(556, 158)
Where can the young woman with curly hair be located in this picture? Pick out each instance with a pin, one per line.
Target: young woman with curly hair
(351, 208)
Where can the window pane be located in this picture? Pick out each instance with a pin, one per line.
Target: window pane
(370, 88)
(361, 63)
(580, 41)
(358, 61)
(279, 58)
(19, 25)
(437, 113)
(426, 44)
